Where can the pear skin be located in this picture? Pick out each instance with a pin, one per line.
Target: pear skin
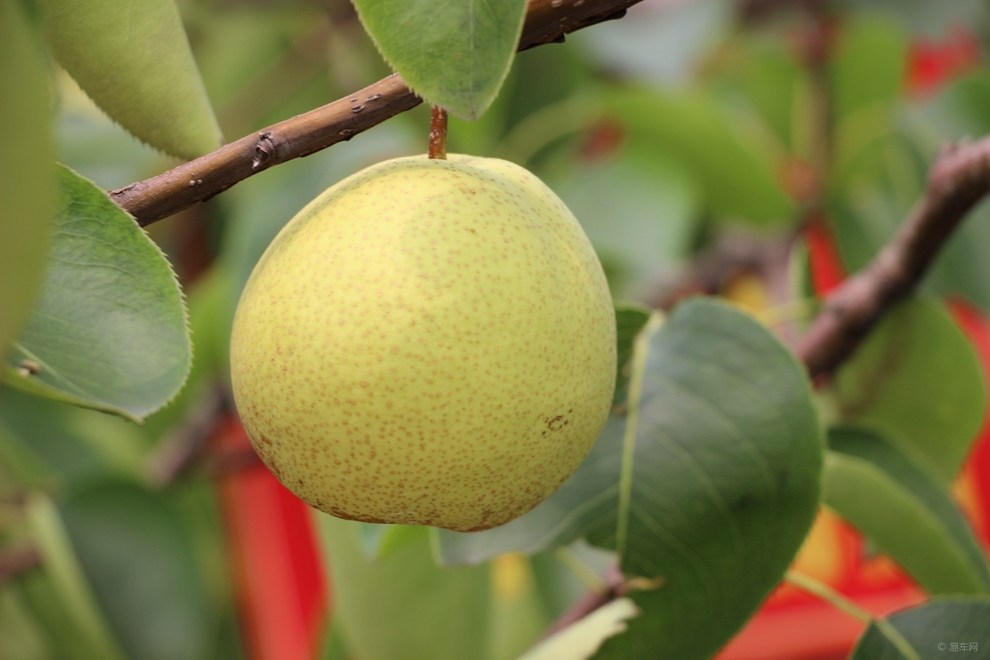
(428, 342)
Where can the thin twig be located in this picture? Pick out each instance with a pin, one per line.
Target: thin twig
(182, 448)
(959, 179)
(547, 21)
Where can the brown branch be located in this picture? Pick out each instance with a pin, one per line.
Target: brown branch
(160, 196)
(182, 449)
(959, 179)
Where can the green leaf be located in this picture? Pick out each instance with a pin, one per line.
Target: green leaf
(873, 196)
(109, 331)
(62, 591)
(134, 61)
(630, 319)
(20, 636)
(393, 607)
(733, 169)
(706, 488)
(936, 629)
(764, 77)
(960, 108)
(452, 54)
(917, 380)
(960, 269)
(922, 17)
(141, 568)
(867, 68)
(380, 541)
(866, 77)
(640, 210)
(68, 444)
(583, 638)
(211, 301)
(27, 181)
(904, 512)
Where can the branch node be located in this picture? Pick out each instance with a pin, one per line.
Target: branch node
(264, 150)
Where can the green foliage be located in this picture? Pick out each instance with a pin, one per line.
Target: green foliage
(134, 551)
(904, 511)
(135, 62)
(108, 289)
(917, 379)
(455, 55)
(735, 174)
(680, 137)
(490, 612)
(639, 208)
(629, 322)
(932, 630)
(27, 179)
(61, 596)
(720, 443)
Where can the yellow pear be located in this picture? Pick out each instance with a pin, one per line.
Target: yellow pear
(427, 342)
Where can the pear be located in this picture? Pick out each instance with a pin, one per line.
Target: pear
(427, 342)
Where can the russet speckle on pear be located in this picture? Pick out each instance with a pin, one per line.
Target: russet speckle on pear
(427, 342)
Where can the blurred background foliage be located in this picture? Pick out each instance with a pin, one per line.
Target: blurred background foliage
(696, 141)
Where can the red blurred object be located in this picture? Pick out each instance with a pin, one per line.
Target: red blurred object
(827, 271)
(281, 587)
(932, 63)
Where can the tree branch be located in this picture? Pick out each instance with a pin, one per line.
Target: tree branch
(959, 178)
(198, 180)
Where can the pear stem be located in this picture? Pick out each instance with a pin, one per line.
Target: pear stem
(438, 133)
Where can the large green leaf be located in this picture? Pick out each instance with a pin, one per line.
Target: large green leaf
(109, 331)
(27, 181)
(917, 379)
(706, 487)
(453, 54)
(904, 511)
(134, 61)
(941, 628)
(734, 171)
(141, 569)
